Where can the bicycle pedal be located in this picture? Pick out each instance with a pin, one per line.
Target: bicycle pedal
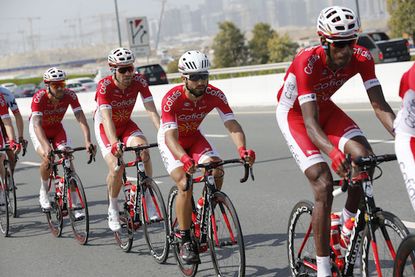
(45, 210)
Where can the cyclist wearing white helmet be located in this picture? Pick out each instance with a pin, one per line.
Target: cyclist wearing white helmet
(182, 144)
(46, 131)
(116, 96)
(311, 122)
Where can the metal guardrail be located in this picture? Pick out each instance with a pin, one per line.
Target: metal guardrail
(240, 69)
(412, 51)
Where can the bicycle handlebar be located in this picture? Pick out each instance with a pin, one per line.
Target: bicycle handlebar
(211, 165)
(71, 151)
(137, 148)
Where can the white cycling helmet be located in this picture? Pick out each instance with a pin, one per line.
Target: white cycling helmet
(338, 24)
(193, 62)
(120, 57)
(54, 74)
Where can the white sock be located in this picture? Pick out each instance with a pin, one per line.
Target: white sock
(323, 266)
(74, 197)
(44, 185)
(113, 204)
(346, 214)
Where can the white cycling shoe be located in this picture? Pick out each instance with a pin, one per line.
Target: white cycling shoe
(44, 200)
(114, 220)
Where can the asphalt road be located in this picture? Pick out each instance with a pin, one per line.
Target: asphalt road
(263, 206)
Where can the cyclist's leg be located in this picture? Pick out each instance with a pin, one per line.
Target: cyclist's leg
(405, 151)
(202, 151)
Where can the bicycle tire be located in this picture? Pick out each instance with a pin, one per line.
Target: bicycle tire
(155, 230)
(4, 210)
(186, 269)
(384, 223)
(80, 226)
(226, 242)
(402, 265)
(298, 224)
(125, 236)
(54, 216)
(12, 192)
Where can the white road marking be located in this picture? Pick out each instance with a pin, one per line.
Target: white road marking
(129, 178)
(381, 141)
(30, 163)
(215, 136)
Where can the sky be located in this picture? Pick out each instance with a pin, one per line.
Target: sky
(39, 23)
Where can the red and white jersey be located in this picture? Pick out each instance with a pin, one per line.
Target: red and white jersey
(179, 112)
(309, 78)
(52, 113)
(4, 111)
(405, 120)
(121, 102)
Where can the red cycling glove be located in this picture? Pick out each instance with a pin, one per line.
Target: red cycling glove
(115, 147)
(14, 145)
(337, 158)
(243, 153)
(187, 161)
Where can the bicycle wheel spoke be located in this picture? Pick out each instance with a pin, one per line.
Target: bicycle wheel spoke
(78, 209)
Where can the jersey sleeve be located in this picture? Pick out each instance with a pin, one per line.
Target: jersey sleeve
(367, 72)
(302, 77)
(4, 112)
(74, 102)
(102, 95)
(37, 108)
(223, 108)
(145, 92)
(168, 114)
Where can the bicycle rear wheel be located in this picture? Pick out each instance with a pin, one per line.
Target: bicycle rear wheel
(389, 232)
(300, 244)
(78, 212)
(226, 241)
(12, 193)
(155, 223)
(186, 269)
(405, 258)
(125, 236)
(4, 209)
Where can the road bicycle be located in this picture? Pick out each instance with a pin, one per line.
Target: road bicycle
(215, 225)
(62, 190)
(143, 206)
(8, 200)
(374, 239)
(405, 258)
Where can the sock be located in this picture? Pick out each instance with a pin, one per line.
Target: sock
(113, 204)
(323, 266)
(44, 185)
(185, 234)
(74, 198)
(346, 214)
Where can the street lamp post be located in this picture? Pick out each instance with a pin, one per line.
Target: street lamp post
(358, 11)
(118, 23)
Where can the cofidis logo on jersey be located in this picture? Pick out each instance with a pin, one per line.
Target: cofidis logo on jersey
(103, 87)
(310, 64)
(170, 101)
(217, 93)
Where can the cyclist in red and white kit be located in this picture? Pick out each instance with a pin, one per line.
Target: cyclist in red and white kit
(405, 132)
(311, 122)
(181, 143)
(116, 96)
(46, 131)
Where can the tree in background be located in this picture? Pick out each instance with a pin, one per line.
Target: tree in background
(281, 48)
(229, 46)
(172, 66)
(402, 17)
(258, 48)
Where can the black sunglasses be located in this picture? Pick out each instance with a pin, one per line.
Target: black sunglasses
(197, 77)
(342, 44)
(123, 70)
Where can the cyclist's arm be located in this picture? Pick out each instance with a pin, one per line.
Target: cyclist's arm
(19, 124)
(40, 133)
(382, 109)
(237, 134)
(172, 142)
(80, 117)
(8, 126)
(152, 112)
(109, 126)
(314, 130)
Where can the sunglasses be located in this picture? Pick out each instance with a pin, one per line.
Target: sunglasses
(56, 85)
(197, 77)
(123, 70)
(342, 44)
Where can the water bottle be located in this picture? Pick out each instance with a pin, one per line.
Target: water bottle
(335, 239)
(59, 185)
(346, 233)
(127, 188)
(133, 192)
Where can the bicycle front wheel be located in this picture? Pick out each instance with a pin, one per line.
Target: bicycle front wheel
(4, 209)
(405, 258)
(12, 193)
(55, 216)
(186, 269)
(300, 244)
(226, 242)
(78, 209)
(125, 236)
(155, 223)
(389, 232)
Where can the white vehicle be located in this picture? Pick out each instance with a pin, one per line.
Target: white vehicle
(75, 86)
(87, 83)
(10, 86)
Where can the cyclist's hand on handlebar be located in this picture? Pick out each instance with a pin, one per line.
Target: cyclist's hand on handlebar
(247, 155)
(188, 164)
(92, 150)
(339, 162)
(117, 149)
(16, 147)
(23, 143)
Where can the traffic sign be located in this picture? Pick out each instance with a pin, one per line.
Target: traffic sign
(138, 35)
